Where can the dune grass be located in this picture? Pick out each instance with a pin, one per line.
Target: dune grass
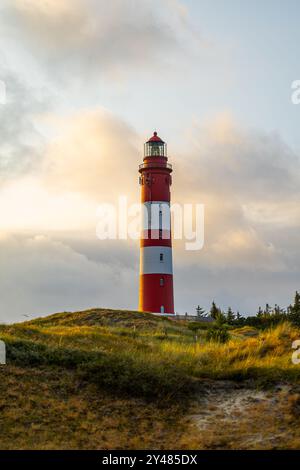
(130, 356)
(148, 356)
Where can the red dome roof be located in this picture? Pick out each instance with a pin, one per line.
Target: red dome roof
(155, 138)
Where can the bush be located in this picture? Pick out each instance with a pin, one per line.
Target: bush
(120, 373)
(123, 372)
(26, 353)
(218, 334)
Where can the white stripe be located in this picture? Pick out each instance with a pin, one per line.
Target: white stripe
(156, 260)
(156, 215)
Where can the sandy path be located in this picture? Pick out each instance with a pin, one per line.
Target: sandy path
(231, 417)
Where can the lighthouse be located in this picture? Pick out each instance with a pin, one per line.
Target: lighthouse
(156, 266)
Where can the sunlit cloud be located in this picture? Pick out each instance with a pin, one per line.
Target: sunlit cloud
(94, 154)
(95, 38)
(58, 161)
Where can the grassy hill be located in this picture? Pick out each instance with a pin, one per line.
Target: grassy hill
(106, 379)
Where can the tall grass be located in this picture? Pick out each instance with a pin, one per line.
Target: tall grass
(164, 360)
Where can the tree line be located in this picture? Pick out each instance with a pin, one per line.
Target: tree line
(264, 318)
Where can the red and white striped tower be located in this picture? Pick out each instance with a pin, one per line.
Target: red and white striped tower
(156, 267)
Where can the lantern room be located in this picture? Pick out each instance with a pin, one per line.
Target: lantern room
(155, 147)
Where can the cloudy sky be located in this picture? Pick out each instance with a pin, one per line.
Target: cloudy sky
(87, 82)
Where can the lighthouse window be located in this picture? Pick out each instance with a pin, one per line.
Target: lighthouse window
(161, 257)
(160, 222)
(162, 282)
(155, 150)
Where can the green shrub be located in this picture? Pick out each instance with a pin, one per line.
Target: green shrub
(27, 353)
(218, 334)
(139, 378)
(118, 372)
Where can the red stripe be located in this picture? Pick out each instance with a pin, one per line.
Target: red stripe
(155, 238)
(153, 295)
(159, 189)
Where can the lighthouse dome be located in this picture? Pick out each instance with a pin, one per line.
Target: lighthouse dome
(155, 138)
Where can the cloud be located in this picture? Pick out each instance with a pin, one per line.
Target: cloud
(92, 157)
(249, 182)
(244, 248)
(20, 142)
(247, 164)
(95, 37)
(43, 275)
(241, 289)
(27, 204)
(95, 154)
